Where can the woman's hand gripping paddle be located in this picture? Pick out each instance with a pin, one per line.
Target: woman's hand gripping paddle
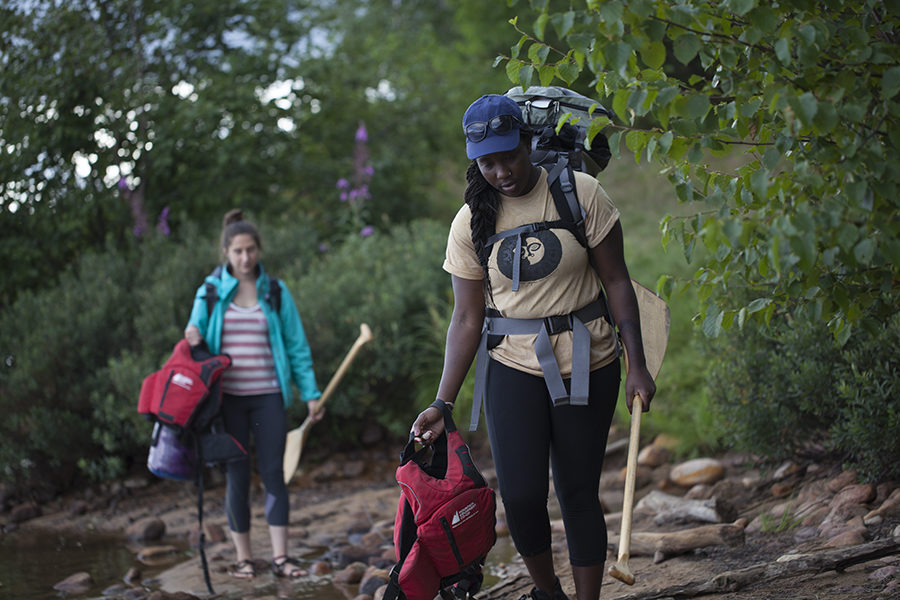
(655, 336)
(296, 438)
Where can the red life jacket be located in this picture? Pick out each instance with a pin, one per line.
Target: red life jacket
(179, 393)
(445, 523)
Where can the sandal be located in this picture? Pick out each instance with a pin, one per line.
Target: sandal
(246, 569)
(279, 564)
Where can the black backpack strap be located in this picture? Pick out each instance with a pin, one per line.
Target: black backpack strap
(212, 292)
(202, 537)
(273, 296)
(561, 181)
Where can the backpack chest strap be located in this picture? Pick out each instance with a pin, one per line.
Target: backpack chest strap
(543, 348)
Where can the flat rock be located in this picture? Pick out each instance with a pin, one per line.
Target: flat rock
(77, 583)
(698, 470)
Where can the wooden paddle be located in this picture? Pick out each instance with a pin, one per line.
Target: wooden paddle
(296, 438)
(655, 336)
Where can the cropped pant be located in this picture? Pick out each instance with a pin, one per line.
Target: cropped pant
(264, 416)
(527, 435)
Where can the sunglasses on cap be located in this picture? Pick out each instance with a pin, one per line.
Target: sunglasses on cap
(501, 125)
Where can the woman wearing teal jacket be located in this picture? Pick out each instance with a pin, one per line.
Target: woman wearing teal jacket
(269, 350)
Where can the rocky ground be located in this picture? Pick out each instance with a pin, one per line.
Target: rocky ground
(715, 528)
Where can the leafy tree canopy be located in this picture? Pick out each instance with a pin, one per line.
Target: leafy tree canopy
(803, 95)
(117, 113)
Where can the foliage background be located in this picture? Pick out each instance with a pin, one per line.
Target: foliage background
(124, 142)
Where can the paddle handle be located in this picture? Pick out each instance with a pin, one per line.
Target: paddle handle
(637, 407)
(365, 335)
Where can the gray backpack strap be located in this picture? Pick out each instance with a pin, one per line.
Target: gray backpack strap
(577, 395)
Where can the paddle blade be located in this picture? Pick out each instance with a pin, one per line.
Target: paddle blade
(293, 447)
(654, 326)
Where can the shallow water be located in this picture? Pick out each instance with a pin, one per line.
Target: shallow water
(32, 563)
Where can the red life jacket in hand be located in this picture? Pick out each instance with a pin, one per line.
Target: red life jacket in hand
(445, 523)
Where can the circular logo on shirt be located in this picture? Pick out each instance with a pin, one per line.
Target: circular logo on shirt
(541, 254)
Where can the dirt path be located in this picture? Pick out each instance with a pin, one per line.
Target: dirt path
(344, 499)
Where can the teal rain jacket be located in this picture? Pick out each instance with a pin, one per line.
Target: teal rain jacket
(293, 358)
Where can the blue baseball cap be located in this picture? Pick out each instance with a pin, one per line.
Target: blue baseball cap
(482, 111)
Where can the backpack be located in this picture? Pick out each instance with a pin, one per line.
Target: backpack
(445, 522)
(185, 400)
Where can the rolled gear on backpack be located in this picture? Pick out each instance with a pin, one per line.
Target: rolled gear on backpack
(542, 107)
(446, 520)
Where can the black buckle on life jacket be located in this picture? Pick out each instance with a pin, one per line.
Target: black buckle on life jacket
(558, 324)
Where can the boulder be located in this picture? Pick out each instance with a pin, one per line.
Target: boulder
(698, 470)
(148, 529)
(841, 481)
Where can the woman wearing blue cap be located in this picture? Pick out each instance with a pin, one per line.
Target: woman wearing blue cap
(552, 369)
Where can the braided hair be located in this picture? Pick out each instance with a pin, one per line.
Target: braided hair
(483, 201)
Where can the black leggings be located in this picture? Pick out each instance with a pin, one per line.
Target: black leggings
(263, 414)
(527, 433)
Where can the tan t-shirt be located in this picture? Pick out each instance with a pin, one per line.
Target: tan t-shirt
(556, 277)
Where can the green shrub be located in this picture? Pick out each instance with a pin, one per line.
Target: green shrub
(55, 343)
(782, 392)
(867, 427)
(387, 280)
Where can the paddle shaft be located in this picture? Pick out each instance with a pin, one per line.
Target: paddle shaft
(365, 334)
(637, 407)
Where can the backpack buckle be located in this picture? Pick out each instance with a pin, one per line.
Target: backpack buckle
(558, 324)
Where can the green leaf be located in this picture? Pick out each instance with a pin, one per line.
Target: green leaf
(567, 71)
(515, 50)
(546, 73)
(654, 55)
(617, 55)
(805, 107)
(864, 251)
(740, 7)
(759, 183)
(783, 51)
(635, 140)
(890, 83)
(540, 25)
(563, 23)
(697, 105)
(614, 144)
(525, 75)
(686, 47)
(666, 95)
(712, 324)
(512, 70)
(665, 141)
(804, 246)
(538, 53)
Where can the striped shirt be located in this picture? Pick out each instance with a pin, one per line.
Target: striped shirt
(245, 337)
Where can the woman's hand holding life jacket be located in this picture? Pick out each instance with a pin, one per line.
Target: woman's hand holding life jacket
(192, 335)
(428, 426)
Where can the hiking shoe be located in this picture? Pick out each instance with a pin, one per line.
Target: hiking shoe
(536, 594)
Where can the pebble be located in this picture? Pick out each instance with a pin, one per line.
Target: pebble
(843, 480)
(352, 573)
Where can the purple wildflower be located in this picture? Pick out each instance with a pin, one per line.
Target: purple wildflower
(162, 224)
(342, 184)
(123, 184)
(361, 134)
(369, 170)
(323, 247)
(367, 231)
